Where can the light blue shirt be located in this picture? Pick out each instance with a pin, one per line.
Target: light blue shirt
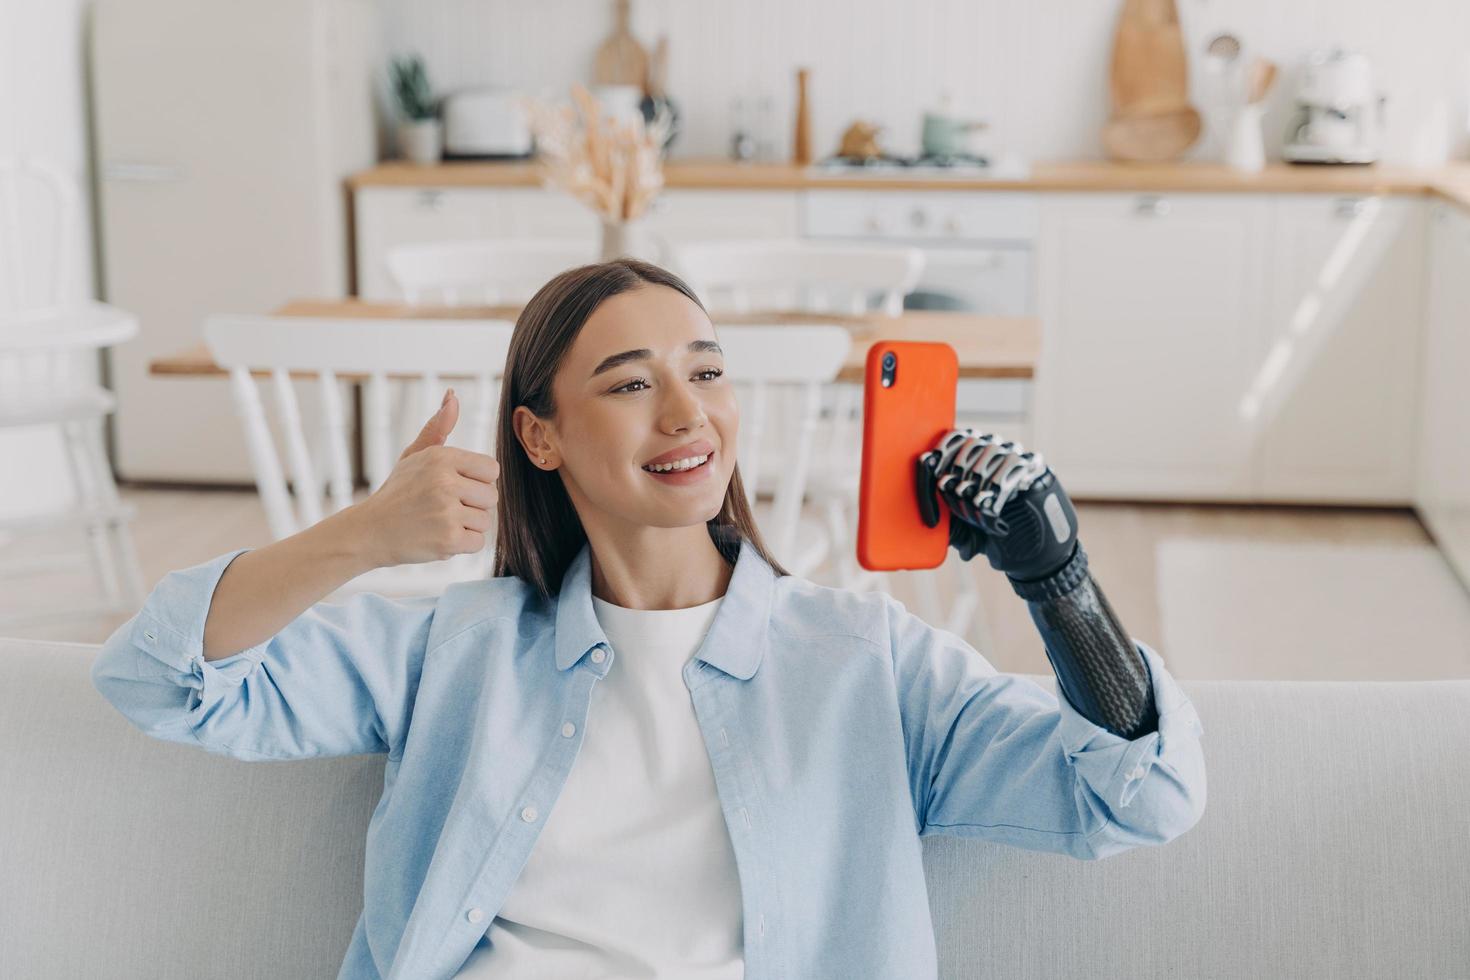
(840, 728)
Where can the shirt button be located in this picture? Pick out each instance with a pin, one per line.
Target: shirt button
(475, 915)
(568, 730)
(598, 656)
(1136, 773)
(528, 814)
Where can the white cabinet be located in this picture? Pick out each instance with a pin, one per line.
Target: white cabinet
(681, 215)
(1231, 346)
(1442, 491)
(1151, 308)
(1332, 400)
(389, 216)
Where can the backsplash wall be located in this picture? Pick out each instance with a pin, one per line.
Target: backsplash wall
(1035, 71)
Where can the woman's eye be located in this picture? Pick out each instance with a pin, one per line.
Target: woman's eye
(716, 372)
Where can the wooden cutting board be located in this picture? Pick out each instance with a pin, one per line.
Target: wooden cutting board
(620, 60)
(1149, 82)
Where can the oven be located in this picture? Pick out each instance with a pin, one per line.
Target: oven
(979, 252)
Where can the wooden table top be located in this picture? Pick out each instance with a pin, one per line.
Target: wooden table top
(987, 346)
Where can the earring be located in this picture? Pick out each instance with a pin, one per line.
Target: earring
(543, 459)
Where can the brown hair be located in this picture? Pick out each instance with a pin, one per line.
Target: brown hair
(539, 531)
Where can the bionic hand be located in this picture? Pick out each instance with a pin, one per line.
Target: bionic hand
(1007, 503)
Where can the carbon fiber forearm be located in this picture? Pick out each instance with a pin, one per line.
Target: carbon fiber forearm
(1098, 667)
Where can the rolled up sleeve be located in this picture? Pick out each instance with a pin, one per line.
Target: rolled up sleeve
(337, 680)
(1149, 789)
(997, 756)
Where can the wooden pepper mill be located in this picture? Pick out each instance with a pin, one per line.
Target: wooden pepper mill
(801, 146)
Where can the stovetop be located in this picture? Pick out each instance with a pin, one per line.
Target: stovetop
(887, 165)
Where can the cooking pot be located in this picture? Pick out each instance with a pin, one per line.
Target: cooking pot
(946, 135)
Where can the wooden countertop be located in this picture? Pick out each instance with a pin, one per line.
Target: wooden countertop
(987, 346)
(1451, 181)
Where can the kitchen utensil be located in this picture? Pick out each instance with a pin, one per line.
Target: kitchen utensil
(1262, 75)
(945, 134)
(1157, 137)
(1148, 79)
(655, 96)
(1223, 49)
(620, 60)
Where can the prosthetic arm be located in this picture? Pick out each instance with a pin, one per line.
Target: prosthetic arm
(1007, 503)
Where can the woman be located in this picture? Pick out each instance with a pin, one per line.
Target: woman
(643, 748)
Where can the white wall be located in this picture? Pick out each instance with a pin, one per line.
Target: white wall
(1035, 69)
(42, 112)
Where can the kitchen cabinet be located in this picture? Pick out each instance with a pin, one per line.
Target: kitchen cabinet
(679, 215)
(390, 216)
(1442, 485)
(1332, 400)
(1150, 306)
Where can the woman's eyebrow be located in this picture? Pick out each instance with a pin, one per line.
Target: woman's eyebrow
(643, 353)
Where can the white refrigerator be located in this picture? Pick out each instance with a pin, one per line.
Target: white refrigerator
(223, 132)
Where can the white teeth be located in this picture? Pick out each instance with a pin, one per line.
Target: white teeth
(682, 464)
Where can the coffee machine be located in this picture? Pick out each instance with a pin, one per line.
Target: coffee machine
(1339, 116)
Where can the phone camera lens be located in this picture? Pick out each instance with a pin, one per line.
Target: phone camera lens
(889, 360)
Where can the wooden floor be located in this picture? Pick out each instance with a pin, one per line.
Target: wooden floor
(176, 528)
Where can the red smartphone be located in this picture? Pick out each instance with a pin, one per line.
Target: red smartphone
(908, 406)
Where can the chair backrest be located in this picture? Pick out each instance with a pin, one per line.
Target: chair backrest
(764, 360)
(735, 276)
(414, 356)
(819, 277)
(505, 270)
(39, 232)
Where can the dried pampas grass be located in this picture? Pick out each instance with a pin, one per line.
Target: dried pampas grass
(614, 166)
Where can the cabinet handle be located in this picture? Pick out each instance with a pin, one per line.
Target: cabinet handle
(430, 200)
(1151, 204)
(1350, 207)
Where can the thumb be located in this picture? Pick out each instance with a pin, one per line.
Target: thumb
(437, 429)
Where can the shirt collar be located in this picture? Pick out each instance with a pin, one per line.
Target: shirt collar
(737, 638)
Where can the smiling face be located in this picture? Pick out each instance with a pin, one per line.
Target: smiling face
(616, 411)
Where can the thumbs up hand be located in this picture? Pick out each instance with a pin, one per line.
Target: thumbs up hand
(438, 502)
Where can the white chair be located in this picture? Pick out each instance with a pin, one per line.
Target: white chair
(488, 271)
(48, 351)
(431, 354)
(791, 274)
(762, 361)
(740, 276)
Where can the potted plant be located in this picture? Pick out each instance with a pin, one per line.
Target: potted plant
(418, 133)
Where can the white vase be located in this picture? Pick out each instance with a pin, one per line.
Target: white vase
(418, 140)
(627, 239)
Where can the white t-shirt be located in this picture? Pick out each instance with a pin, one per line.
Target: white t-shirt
(633, 874)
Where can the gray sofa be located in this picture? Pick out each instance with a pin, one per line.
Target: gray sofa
(1336, 843)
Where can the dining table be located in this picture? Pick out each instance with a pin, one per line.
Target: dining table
(985, 346)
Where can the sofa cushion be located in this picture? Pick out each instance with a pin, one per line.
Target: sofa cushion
(1334, 843)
